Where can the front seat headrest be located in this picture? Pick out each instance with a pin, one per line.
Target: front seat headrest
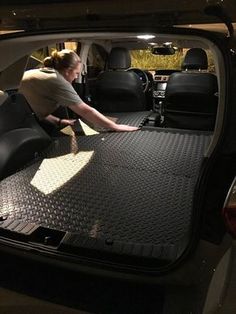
(195, 59)
(119, 58)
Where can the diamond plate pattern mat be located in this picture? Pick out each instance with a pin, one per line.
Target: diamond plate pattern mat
(134, 187)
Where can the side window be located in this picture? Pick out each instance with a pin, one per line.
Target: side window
(73, 45)
(42, 53)
(37, 57)
(211, 64)
(96, 61)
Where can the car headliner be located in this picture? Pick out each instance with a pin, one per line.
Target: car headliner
(44, 14)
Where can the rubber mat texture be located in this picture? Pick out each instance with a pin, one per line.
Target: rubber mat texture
(134, 187)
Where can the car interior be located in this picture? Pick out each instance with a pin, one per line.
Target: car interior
(131, 195)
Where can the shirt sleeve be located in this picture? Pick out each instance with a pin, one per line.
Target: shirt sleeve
(65, 94)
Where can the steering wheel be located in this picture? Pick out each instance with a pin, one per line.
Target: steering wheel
(143, 77)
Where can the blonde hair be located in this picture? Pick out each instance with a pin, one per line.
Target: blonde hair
(63, 59)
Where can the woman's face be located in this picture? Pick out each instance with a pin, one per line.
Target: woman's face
(72, 73)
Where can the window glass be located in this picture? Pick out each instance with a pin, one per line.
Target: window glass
(211, 65)
(71, 45)
(37, 57)
(144, 59)
(96, 60)
(40, 54)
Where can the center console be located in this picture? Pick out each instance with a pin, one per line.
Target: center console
(159, 88)
(158, 95)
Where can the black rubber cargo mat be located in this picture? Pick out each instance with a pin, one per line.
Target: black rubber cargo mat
(134, 188)
(131, 118)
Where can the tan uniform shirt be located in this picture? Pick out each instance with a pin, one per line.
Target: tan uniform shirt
(46, 89)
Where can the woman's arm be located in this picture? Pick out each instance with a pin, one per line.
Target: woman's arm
(92, 115)
(59, 122)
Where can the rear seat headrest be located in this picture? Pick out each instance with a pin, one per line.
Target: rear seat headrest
(119, 58)
(3, 97)
(195, 59)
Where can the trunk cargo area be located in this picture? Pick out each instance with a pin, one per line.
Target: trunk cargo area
(123, 193)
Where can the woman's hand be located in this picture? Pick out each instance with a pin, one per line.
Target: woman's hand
(124, 128)
(66, 122)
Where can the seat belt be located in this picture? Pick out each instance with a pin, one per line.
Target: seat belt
(86, 92)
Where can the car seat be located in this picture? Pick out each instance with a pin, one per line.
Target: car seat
(191, 95)
(21, 137)
(119, 90)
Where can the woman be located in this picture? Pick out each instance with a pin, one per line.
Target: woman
(49, 87)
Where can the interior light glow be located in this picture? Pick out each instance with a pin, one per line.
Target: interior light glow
(53, 173)
(168, 43)
(153, 44)
(146, 37)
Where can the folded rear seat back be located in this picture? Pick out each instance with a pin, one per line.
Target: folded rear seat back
(21, 137)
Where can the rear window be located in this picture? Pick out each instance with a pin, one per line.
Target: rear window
(145, 60)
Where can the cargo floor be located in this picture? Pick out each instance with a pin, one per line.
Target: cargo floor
(134, 188)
